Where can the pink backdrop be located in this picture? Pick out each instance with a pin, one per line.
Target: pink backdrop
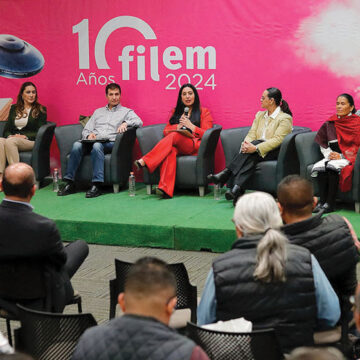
(304, 47)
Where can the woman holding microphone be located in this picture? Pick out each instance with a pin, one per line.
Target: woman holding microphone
(182, 136)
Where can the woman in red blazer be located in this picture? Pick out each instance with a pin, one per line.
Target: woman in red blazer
(182, 136)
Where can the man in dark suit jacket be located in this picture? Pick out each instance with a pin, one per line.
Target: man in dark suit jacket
(31, 250)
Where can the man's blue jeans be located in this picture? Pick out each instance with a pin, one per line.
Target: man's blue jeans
(97, 152)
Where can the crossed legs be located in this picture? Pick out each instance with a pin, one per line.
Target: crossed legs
(9, 150)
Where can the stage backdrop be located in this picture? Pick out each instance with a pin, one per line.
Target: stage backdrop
(231, 50)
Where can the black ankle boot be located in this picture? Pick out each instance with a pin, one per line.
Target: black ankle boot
(234, 193)
(221, 177)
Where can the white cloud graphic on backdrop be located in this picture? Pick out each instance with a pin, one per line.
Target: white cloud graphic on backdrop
(331, 38)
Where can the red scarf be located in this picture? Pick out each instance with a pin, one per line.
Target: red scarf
(348, 135)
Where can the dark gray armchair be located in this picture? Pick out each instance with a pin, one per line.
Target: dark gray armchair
(267, 174)
(118, 163)
(309, 153)
(39, 157)
(191, 170)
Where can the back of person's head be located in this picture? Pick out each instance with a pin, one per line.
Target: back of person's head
(148, 276)
(257, 213)
(15, 356)
(150, 290)
(296, 195)
(18, 180)
(275, 93)
(309, 353)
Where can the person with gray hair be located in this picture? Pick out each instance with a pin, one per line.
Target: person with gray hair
(268, 281)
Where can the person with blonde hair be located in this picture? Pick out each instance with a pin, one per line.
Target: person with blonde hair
(267, 280)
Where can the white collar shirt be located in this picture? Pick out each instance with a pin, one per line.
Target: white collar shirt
(266, 117)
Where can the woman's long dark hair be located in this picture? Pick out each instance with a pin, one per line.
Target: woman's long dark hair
(350, 99)
(275, 93)
(20, 105)
(179, 109)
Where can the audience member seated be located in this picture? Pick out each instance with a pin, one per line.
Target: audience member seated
(331, 239)
(25, 119)
(182, 136)
(308, 353)
(262, 143)
(339, 141)
(148, 301)
(101, 131)
(268, 281)
(26, 235)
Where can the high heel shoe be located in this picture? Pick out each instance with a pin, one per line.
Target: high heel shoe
(138, 165)
(221, 177)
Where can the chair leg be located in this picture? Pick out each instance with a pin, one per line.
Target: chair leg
(116, 188)
(201, 190)
(149, 189)
(357, 207)
(79, 304)
(8, 329)
(37, 183)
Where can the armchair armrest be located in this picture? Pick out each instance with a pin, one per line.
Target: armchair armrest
(206, 154)
(308, 150)
(121, 156)
(288, 161)
(2, 127)
(65, 137)
(40, 160)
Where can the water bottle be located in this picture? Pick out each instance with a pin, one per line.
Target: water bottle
(217, 192)
(56, 180)
(132, 188)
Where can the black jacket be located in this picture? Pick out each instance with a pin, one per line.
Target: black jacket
(31, 241)
(133, 337)
(288, 307)
(31, 128)
(329, 239)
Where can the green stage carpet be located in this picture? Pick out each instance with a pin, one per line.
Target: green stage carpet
(186, 222)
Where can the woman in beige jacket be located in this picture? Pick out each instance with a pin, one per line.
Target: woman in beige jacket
(262, 143)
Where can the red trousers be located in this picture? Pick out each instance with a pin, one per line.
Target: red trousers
(164, 154)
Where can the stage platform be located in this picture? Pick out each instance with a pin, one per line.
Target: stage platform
(186, 222)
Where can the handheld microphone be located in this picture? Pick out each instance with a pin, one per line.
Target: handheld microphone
(186, 113)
